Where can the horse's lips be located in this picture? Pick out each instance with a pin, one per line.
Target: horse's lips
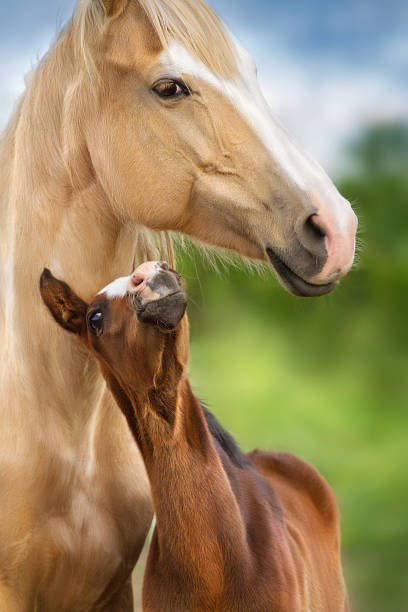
(294, 283)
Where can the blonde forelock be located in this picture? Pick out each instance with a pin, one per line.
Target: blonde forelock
(191, 23)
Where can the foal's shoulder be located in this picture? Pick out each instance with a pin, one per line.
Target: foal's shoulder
(288, 472)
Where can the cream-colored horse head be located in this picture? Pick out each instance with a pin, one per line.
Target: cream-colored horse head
(182, 139)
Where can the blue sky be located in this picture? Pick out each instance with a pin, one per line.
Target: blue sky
(327, 68)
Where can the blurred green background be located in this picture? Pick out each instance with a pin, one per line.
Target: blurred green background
(327, 379)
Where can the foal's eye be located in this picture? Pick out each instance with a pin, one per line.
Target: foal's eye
(96, 322)
(171, 89)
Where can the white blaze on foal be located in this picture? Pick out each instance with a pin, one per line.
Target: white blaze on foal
(138, 282)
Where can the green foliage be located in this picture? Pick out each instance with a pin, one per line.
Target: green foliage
(383, 149)
(327, 379)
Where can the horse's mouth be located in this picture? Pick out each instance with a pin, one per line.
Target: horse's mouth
(294, 283)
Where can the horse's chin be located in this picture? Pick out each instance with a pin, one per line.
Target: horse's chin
(294, 283)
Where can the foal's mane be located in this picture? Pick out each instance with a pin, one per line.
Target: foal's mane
(224, 439)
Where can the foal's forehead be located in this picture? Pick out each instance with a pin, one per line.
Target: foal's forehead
(117, 289)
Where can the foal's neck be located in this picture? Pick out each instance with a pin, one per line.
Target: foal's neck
(189, 481)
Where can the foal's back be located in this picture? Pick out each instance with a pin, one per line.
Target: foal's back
(291, 522)
(310, 518)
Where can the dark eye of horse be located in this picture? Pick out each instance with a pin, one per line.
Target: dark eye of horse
(96, 322)
(171, 89)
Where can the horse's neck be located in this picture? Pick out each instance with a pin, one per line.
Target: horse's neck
(45, 378)
(53, 213)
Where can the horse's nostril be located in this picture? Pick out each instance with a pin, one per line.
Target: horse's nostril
(314, 229)
(312, 246)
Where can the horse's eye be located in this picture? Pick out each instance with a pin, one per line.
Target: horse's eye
(171, 89)
(96, 322)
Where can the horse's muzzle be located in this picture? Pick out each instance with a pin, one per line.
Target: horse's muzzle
(293, 282)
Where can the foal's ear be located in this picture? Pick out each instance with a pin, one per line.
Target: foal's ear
(66, 307)
(113, 8)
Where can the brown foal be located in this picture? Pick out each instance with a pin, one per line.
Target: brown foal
(234, 532)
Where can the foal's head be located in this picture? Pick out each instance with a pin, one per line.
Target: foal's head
(181, 138)
(120, 325)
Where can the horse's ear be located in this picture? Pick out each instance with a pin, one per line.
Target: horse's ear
(114, 8)
(66, 307)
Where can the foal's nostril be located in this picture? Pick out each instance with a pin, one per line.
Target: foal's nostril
(137, 279)
(314, 229)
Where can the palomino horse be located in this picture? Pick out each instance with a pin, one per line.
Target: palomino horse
(143, 118)
(234, 532)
